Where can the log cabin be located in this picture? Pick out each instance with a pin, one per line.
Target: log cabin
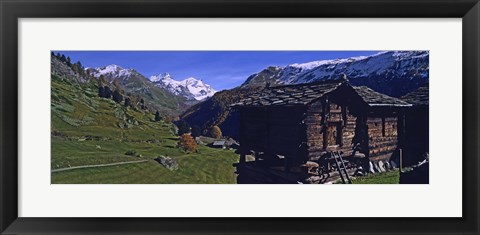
(287, 129)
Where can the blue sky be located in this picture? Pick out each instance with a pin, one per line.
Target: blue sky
(220, 69)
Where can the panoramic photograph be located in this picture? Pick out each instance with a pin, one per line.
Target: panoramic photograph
(239, 117)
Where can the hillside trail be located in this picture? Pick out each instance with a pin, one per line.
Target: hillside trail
(94, 166)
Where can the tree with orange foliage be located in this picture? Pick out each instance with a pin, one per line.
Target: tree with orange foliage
(187, 143)
(216, 132)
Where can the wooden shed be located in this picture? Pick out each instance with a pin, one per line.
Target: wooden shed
(219, 144)
(417, 126)
(283, 127)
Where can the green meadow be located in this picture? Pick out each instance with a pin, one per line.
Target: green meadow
(87, 131)
(391, 177)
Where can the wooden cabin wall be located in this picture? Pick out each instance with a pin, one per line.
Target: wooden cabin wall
(272, 131)
(382, 132)
(313, 122)
(336, 115)
(348, 135)
(347, 122)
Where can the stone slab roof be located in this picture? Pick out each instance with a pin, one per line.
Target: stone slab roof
(219, 142)
(289, 95)
(417, 97)
(304, 94)
(373, 98)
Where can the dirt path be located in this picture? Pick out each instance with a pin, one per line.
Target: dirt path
(100, 165)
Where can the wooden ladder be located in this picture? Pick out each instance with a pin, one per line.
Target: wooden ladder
(341, 167)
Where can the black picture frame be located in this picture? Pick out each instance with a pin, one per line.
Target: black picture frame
(12, 10)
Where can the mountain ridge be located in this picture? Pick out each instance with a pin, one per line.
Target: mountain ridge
(190, 88)
(394, 73)
(131, 83)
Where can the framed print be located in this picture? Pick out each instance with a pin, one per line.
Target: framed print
(203, 117)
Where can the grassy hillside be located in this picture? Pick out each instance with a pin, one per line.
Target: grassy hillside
(88, 130)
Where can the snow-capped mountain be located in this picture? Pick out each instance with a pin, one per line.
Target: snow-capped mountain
(190, 88)
(111, 72)
(130, 79)
(394, 73)
(132, 82)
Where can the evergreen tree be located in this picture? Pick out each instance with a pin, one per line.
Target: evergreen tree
(52, 54)
(101, 91)
(62, 58)
(183, 127)
(74, 68)
(107, 92)
(157, 116)
(142, 104)
(127, 102)
(80, 68)
(69, 61)
(196, 131)
(117, 97)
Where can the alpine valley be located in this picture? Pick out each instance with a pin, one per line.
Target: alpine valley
(105, 130)
(111, 124)
(394, 73)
